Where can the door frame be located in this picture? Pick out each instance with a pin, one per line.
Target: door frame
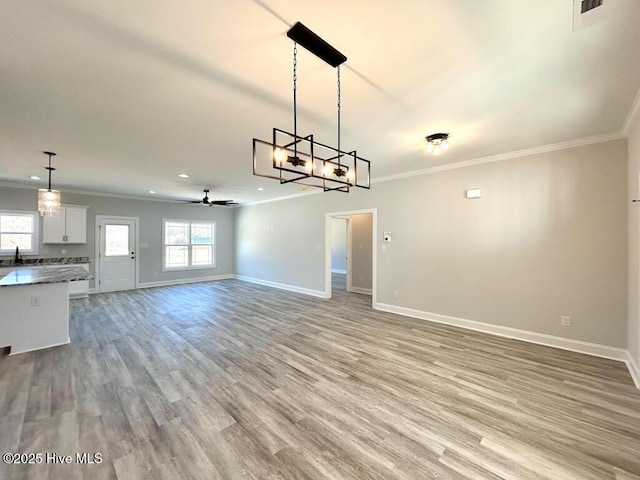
(349, 254)
(374, 250)
(99, 218)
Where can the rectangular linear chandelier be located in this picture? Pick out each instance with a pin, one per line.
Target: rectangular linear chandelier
(301, 159)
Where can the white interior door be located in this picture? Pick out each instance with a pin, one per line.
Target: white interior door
(117, 254)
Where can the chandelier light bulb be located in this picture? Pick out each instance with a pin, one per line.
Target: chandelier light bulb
(429, 147)
(437, 150)
(327, 170)
(279, 156)
(444, 145)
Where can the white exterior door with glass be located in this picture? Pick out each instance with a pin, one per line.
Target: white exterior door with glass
(117, 254)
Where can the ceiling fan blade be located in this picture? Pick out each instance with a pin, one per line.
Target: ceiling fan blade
(208, 203)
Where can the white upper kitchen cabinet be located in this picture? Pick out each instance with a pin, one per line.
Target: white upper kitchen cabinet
(70, 226)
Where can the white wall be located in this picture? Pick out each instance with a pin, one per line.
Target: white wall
(150, 214)
(548, 238)
(339, 245)
(634, 247)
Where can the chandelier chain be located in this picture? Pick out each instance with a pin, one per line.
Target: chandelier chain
(338, 93)
(295, 103)
(295, 65)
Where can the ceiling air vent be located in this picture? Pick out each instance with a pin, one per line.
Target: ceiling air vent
(589, 5)
(588, 12)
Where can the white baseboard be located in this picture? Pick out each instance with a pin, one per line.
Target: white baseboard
(364, 291)
(579, 346)
(633, 369)
(337, 270)
(182, 281)
(282, 286)
(12, 352)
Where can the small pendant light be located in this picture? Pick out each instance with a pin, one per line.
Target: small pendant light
(49, 200)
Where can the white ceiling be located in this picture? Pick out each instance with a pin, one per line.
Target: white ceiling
(130, 94)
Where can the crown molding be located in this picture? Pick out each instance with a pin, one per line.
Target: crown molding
(607, 137)
(580, 142)
(633, 115)
(287, 197)
(63, 189)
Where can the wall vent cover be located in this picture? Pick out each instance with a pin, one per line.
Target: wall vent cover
(589, 5)
(589, 12)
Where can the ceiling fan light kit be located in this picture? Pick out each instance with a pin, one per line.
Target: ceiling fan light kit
(302, 159)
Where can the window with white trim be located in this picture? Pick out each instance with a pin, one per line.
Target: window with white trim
(18, 229)
(188, 244)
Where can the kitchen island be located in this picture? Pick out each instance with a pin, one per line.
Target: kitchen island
(34, 307)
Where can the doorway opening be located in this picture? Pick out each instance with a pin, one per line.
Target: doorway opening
(350, 253)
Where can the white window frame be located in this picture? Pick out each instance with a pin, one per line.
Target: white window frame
(35, 235)
(165, 268)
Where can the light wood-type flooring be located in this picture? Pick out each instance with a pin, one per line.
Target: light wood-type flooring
(229, 380)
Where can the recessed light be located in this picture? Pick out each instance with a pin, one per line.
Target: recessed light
(152, 191)
(183, 175)
(34, 177)
(260, 188)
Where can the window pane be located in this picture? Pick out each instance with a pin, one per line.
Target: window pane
(177, 256)
(201, 255)
(116, 239)
(16, 223)
(202, 233)
(176, 233)
(9, 241)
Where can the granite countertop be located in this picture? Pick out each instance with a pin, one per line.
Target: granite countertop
(35, 275)
(34, 262)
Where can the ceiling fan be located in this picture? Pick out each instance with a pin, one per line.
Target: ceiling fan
(209, 203)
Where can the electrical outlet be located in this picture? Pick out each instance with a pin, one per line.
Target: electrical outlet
(35, 301)
(565, 321)
(396, 294)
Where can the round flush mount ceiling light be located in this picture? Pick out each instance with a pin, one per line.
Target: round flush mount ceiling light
(183, 175)
(437, 143)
